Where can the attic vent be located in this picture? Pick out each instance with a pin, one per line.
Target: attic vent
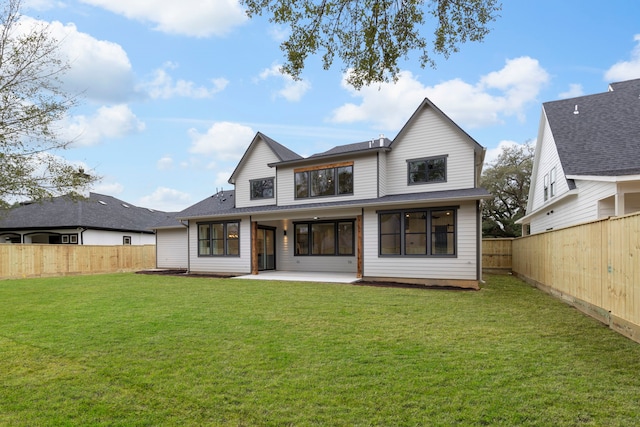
(124, 205)
(101, 202)
(576, 110)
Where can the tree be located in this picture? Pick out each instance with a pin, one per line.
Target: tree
(31, 104)
(507, 179)
(372, 36)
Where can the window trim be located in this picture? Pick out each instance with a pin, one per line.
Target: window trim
(336, 179)
(427, 159)
(126, 240)
(225, 238)
(273, 185)
(429, 241)
(552, 182)
(336, 237)
(545, 186)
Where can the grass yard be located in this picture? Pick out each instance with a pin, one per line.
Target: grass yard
(144, 350)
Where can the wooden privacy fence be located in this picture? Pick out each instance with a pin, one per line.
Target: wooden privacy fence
(593, 266)
(19, 261)
(496, 254)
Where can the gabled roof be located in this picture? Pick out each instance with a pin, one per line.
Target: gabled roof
(599, 134)
(223, 201)
(355, 147)
(98, 211)
(281, 152)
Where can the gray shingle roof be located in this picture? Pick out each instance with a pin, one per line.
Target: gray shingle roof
(358, 146)
(213, 206)
(603, 138)
(98, 211)
(283, 153)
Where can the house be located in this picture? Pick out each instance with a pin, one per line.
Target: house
(587, 159)
(406, 209)
(171, 243)
(95, 220)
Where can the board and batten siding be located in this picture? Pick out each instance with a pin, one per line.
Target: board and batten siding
(462, 267)
(365, 181)
(429, 136)
(221, 264)
(171, 248)
(255, 166)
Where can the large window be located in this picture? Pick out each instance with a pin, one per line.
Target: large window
(431, 169)
(219, 238)
(425, 232)
(261, 188)
(328, 180)
(324, 238)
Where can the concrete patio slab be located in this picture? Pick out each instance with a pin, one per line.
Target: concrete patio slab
(303, 276)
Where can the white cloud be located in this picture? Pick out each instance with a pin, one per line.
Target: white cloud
(166, 199)
(492, 154)
(162, 86)
(194, 18)
(293, 90)
(165, 163)
(108, 122)
(626, 70)
(223, 141)
(108, 188)
(574, 91)
(499, 94)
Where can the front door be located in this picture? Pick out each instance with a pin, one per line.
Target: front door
(266, 243)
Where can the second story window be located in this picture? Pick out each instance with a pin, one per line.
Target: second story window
(552, 182)
(261, 188)
(426, 170)
(327, 180)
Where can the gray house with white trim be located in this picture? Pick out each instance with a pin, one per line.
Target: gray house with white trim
(406, 209)
(587, 159)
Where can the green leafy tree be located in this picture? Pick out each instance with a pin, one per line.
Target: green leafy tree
(507, 179)
(31, 104)
(372, 36)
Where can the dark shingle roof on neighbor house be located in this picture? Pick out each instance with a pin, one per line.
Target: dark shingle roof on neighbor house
(98, 211)
(598, 134)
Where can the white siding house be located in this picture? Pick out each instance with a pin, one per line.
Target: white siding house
(406, 209)
(587, 160)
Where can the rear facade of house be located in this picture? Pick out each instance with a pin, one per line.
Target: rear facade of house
(406, 209)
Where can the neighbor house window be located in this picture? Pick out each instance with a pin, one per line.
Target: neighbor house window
(552, 182)
(546, 187)
(261, 188)
(418, 232)
(69, 239)
(324, 238)
(126, 240)
(327, 180)
(219, 238)
(426, 170)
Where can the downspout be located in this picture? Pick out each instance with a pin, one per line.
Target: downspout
(81, 230)
(188, 247)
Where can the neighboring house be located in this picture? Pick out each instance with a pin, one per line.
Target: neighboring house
(95, 220)
(587, 159)
(403, 210)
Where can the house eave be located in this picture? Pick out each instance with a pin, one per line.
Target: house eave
(605, 178)
(548, 205)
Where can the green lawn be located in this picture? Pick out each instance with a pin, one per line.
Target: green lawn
(132, 350)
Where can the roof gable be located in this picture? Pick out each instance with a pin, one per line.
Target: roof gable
(598, 134)
(280, 151)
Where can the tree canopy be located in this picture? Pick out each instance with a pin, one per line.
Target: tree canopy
(508, 180)
(32, 102)
(371, 37)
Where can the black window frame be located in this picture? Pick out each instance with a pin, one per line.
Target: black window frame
(429, 232)
(426, 161)
(306, 192)
(262, 181)
(225, 233)
(308, 248)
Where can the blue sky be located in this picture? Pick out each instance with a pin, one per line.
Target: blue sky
(173, 92)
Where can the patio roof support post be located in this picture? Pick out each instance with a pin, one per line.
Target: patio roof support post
(359, 257)
(254, 247)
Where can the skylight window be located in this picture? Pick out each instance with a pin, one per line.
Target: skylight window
(125, 205)
(101, 202)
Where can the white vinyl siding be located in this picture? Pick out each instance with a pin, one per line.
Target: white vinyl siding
(104, 237)
(547, 161)
(430, 136)
(171, 248)
(365, 182)
(461, 267)
(255, 166)
(221, 264)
